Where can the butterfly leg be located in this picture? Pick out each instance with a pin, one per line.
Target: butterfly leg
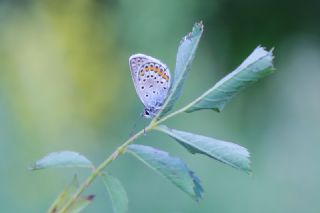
(144, 131)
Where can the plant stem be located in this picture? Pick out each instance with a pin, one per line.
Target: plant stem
(154, 122)
(120, 150)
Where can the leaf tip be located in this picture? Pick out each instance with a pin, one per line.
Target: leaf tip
(272, 57)
(267, 54)
(198, 26)
(31, 167)
(196, 30)
(197, 188)
(219, 108)
(34, 166)
(246, 165)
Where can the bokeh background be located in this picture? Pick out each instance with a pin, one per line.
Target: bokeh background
(65, 85)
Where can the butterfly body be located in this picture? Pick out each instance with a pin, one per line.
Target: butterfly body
(152, 82)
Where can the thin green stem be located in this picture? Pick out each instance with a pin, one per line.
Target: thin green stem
(120, 150)
(155, 122)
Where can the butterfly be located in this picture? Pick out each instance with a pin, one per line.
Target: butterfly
(152, 81)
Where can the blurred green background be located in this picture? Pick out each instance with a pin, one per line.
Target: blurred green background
(65, 85)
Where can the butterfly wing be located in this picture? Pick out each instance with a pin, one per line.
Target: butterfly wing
(151, 79)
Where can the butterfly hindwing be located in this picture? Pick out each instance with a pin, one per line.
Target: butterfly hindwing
(151, 79)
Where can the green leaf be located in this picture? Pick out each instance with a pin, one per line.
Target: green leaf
(118, 194)
(66, 195)
(185, 56)
(62, 159)
(172, 168)
(255, 67)
(226, 152)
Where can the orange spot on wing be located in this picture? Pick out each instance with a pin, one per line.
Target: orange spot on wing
(164, 76)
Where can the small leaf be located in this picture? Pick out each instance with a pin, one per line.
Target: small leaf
(118, 194)
(255, 67)
(172, 168)
(62, 159)
(66, 195)
(226, 152)
(185, 56)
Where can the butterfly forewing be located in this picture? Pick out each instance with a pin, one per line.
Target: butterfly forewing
(135, 61)
(151, 79)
